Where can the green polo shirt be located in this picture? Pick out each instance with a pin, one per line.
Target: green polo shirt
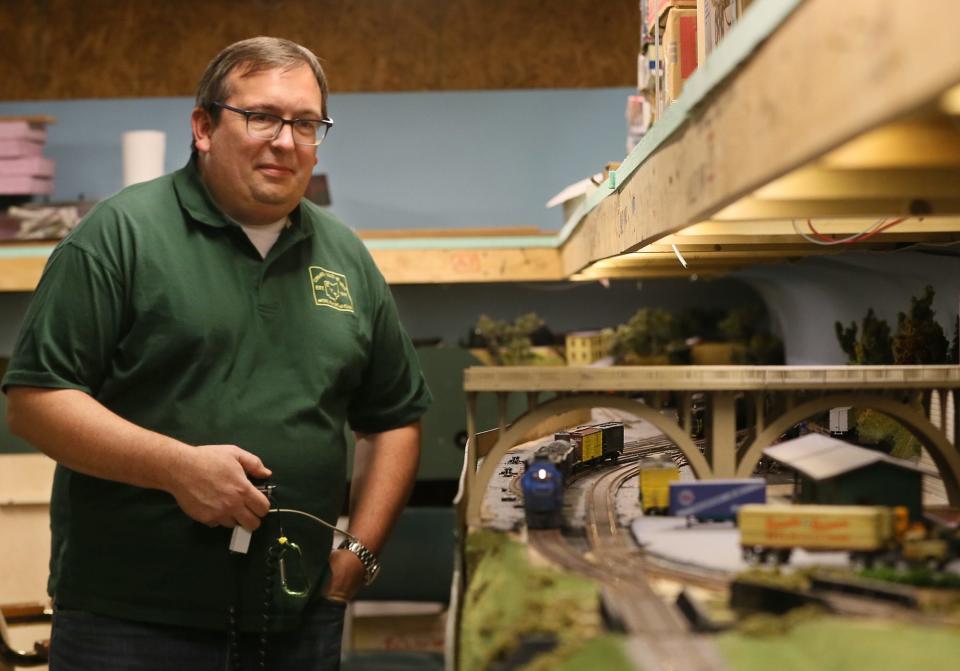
(163, 310)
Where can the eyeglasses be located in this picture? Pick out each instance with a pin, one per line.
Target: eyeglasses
(264, 126)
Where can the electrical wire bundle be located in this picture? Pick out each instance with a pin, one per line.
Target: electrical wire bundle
(819, 238)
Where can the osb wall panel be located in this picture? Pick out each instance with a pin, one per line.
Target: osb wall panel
(53, 49)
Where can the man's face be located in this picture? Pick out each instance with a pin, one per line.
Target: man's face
(259, 181)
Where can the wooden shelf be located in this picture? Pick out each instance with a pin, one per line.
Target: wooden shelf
(420, 257)
(842, 113)
(698, 378)
(21, 264)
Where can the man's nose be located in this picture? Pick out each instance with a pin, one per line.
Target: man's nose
(285, 138)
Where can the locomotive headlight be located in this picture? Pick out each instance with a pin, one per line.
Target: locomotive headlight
(542, 474)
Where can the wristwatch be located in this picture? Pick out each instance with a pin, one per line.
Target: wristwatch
(371, 566)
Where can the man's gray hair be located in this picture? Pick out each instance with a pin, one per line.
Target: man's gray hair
(248, 57)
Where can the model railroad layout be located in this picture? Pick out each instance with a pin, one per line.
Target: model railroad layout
(597, 461)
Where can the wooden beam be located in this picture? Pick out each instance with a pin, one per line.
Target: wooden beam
(655, 258)
(749, 208)
(704, 378)
(924, 141)
(757, 245)
(781, 111)
(415, 233)
(441, 266)
(747, 229)
(21, 274)
(590, 275)
(818, 183)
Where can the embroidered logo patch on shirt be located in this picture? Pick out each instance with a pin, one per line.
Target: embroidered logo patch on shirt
(330, 289)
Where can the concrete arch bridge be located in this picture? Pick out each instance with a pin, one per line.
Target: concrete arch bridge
(768, 399)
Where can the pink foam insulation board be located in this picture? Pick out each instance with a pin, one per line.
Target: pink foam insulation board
(31, 166)
(22, 130)
(19, 148)
(19, 185)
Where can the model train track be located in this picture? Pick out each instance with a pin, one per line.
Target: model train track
(661, 636)
(624, 571)
(610, 546)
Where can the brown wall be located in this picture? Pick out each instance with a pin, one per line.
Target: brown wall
(52, 49)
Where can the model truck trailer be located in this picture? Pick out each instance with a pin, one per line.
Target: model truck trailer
(655, 478)
(716, 500)
(868, 533)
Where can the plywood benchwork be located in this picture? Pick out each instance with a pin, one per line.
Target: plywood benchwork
(25, 485)
(813, 128)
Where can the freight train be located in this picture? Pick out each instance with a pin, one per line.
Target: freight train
(549, 466)
(871, 534)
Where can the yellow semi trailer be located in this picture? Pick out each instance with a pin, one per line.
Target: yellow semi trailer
(868, 533)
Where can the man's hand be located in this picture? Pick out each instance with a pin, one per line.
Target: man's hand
(346, 576)
(212, 486)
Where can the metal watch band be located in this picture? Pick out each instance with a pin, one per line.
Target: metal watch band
(371, 567)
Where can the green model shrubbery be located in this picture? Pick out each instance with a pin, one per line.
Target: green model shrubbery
(919, 339)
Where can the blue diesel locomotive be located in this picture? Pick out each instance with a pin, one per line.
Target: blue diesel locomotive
(543, 479)
(542, 493)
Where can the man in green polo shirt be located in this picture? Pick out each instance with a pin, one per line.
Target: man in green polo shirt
(196, 332)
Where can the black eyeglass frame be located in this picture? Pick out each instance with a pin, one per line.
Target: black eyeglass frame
(327, 124)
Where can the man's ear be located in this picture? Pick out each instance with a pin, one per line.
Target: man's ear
(202, 126)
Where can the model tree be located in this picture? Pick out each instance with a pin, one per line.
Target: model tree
(701, 323)
(646, 336)
(954, 355)
(509, 344)
(919, 338)
(747, 326)
(873, 347)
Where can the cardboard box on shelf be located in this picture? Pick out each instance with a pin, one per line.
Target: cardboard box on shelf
(647, 68)
(680, 50)
(657, 10)
(639, 117)
(715, 18)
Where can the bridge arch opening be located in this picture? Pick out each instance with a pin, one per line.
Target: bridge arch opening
(540, 417)
(945, 455)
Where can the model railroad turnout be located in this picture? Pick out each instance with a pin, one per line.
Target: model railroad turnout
(594, 463)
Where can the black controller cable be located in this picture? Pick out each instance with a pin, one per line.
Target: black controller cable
(276, 559)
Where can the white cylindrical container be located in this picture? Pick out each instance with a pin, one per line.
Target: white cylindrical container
(143, 155)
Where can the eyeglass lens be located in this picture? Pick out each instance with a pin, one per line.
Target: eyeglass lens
(268, 127)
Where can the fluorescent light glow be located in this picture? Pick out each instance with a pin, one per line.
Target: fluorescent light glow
(950, 102)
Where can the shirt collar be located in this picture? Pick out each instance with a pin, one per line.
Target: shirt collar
(194, 198)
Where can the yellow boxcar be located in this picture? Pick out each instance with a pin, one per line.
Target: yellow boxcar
(812, 527)
(655, 478)
(592, 445)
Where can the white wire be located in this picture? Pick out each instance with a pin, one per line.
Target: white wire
(315, 519)
(683, 261)
(829, 243)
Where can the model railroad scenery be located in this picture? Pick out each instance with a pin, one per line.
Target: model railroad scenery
(831, 553)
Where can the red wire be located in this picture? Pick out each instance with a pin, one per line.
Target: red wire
(879, 230)
(859, 238)
(818, 234)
